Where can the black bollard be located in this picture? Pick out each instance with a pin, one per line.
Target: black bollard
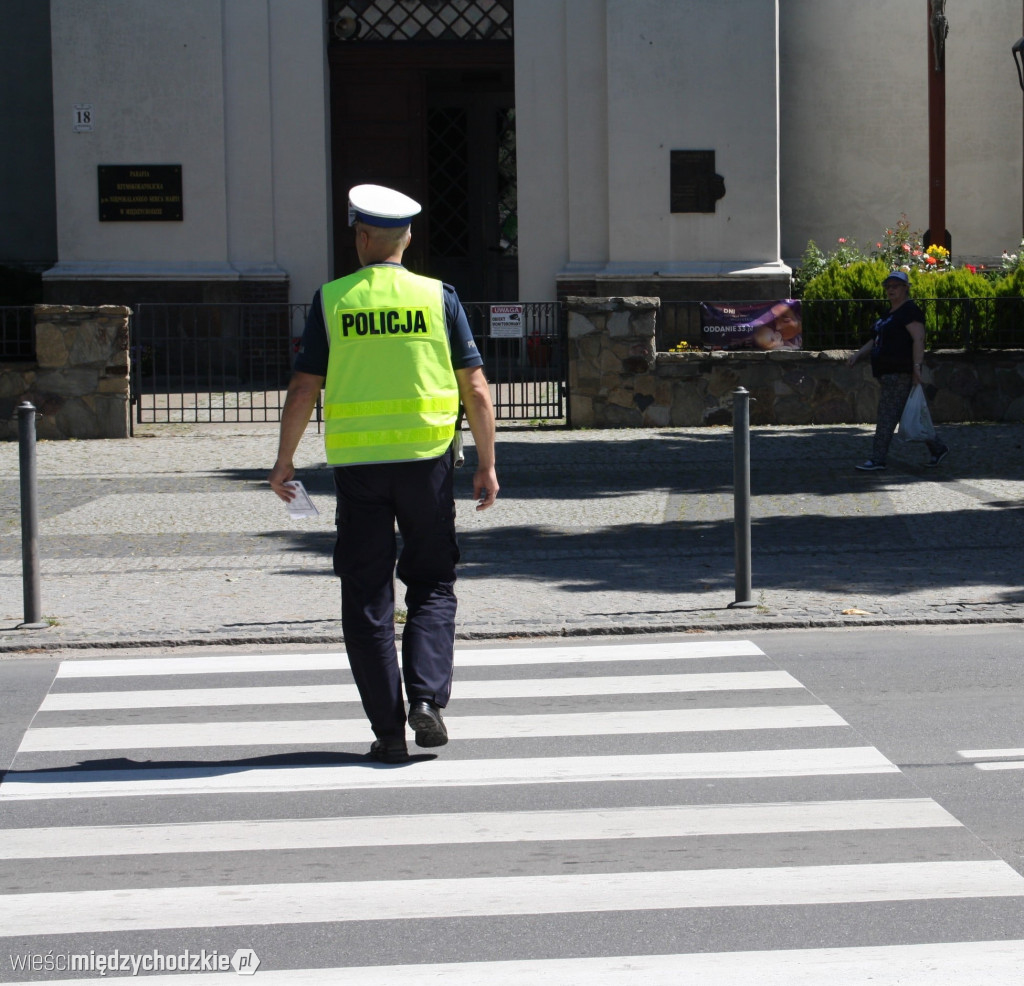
(29, 517)
(741, 496)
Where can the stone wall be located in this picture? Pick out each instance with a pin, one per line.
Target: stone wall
(618, 380)
(79, 380)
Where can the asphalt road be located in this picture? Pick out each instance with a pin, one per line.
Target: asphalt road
(946, 705)
(784, 807)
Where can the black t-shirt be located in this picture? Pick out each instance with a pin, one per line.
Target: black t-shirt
(893, 351)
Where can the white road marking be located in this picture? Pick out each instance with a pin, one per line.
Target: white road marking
(978, 963)
(989, 754)
(990, 759)
(100, 911)
(500, 688)
(231, 778)
(483, 657)
(682, 821)
(180, 735)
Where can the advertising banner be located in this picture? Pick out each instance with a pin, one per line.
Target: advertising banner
(763, 325)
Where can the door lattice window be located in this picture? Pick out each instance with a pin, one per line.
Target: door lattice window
(422, 20)
(508, 220)
(449, 181)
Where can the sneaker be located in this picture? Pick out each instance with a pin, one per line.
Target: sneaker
(871, 466)
(939, 456)
(425, 718)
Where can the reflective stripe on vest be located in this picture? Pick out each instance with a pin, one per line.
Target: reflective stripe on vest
(391, 394)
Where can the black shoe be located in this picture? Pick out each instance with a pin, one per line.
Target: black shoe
(393, 751)
(939, 456)
(425, 718)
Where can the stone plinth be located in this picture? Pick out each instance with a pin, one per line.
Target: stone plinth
(79, 380)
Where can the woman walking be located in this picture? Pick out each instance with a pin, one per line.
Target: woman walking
(897, 356)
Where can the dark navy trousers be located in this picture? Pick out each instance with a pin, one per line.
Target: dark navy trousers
(419, 497)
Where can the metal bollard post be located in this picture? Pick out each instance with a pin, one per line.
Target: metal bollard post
(741, 496)
(29, 517)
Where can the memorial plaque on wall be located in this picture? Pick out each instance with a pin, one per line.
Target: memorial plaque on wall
(140, 192)
(694, 186)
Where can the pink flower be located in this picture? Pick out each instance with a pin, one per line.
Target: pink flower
(971, 268)
(842, 239)
(878, 245)
(906, 247)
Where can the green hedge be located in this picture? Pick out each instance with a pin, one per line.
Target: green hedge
(963, 309)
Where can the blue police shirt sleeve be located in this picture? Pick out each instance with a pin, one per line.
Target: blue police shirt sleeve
(465, 353)
(314, 350)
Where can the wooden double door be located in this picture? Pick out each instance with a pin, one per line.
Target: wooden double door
(436, 121)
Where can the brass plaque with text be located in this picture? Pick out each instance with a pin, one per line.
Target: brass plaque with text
(140, 192)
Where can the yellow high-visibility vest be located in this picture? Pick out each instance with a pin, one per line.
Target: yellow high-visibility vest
(391, 393)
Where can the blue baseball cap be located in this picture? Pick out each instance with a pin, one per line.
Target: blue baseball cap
(897, 275)
(376, 205)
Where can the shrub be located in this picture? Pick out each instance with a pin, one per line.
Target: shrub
(1008, 315)
(964, 307)
(861, 279)
(962, 316)
(842, 303)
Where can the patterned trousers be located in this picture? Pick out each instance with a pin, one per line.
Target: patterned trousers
(896, 389)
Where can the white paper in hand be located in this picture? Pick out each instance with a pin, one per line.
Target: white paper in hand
(302, 505)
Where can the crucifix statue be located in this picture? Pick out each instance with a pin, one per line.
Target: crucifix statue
(940, 30)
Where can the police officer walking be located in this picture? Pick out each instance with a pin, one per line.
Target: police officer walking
(394, 354)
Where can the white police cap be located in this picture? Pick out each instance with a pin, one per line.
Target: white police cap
(376, 205)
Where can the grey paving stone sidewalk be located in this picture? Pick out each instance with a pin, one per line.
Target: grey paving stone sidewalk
(174, 538)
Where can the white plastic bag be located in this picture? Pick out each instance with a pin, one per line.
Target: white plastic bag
(916, 422)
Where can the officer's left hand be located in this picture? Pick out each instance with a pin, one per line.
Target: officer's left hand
(485, 488)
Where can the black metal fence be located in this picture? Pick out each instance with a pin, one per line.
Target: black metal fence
(525, 351)
(212, 362)
(950, 323)
(17, 334)
(232, 362)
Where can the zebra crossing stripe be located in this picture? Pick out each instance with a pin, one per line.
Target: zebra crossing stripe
(893, 965)
(483, 657)
(990, 759)
(677, 650)
(363, 774)
(989, 754)
(671, 821)
(975, 962)
(131, 667)
(886, 965)
(181, 735)
(500, 688)
(99, 911)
